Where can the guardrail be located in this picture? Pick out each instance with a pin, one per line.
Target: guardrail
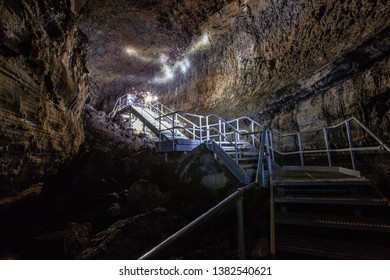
(213, 127)
(236, 196)
(331, 142)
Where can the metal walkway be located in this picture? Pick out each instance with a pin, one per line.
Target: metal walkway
(312, 208)
(315, 212)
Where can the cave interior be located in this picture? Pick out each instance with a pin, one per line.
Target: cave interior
(248, 129)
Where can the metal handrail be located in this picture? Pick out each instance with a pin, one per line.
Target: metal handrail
(123, 102)
(201, 219)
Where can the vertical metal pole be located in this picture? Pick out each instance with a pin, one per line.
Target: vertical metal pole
(325, 130)
(131, 118)
(173, 131)
(240, 223)
(224, 129)
(159, 134)
(236, 145)
(300, 148)
(143, 123)
(200, 130)
(269, 163)
(207, 129)
(272, 220)
(193, 132)
(238, 129)
(219, 129)
(271, 138)
(350, 142)
(260, 165)
(252, 131)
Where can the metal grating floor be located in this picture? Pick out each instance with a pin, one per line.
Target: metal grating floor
(341, 199)
(359, 223)
(330, 248)
(308, 177)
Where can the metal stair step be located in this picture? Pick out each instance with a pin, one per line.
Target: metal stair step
(313, 191)
(333, 199)
(233, 149)
(322, 182)
(247, 159)
(248, 153)
(229, 143)
(318, 178)
(330, 248)
(331, 221)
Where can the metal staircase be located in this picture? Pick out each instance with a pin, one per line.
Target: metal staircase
(316, 207)
(238, 149)
(328, 213)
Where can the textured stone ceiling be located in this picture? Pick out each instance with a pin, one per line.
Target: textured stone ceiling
(142, 43)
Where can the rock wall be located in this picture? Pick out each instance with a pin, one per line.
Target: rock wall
(293, 64)
(132, 40)
(43, 87)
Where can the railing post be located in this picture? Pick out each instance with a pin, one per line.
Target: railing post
(271, 138)
(200, 130)
(260, 165)
(238, 129)
(350, 143)
(159, 134)
(300, 148)
(173, 131)
(325, 130)
(220, 128)
(268, 153)
(272, 233)
(193, 132)
(236, 145)
(240, 224)
(252, 131)
(131, 118)
(207, 129)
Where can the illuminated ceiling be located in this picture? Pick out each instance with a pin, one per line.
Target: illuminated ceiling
(146, 44)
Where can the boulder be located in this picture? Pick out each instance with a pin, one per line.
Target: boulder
(130, 238)
(66, 243)
(143, 196)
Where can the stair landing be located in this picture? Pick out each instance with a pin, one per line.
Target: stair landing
(293, 176)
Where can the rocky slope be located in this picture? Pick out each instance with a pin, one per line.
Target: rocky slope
(115, 200)
(43, 87)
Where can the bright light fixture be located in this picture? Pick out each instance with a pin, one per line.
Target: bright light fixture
(148, 98)
(168, 73)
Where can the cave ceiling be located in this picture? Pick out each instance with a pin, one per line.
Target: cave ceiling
(143, 43)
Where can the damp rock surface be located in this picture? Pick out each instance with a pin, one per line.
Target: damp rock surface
(43, 86)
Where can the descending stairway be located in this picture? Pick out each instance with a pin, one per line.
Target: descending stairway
(241, 158)
(327, 213)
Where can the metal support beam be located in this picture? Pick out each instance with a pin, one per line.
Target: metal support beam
(327, 146)
(300, 149)
(350, 144)
(207, 129)
(271, 139)
(272, 220)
